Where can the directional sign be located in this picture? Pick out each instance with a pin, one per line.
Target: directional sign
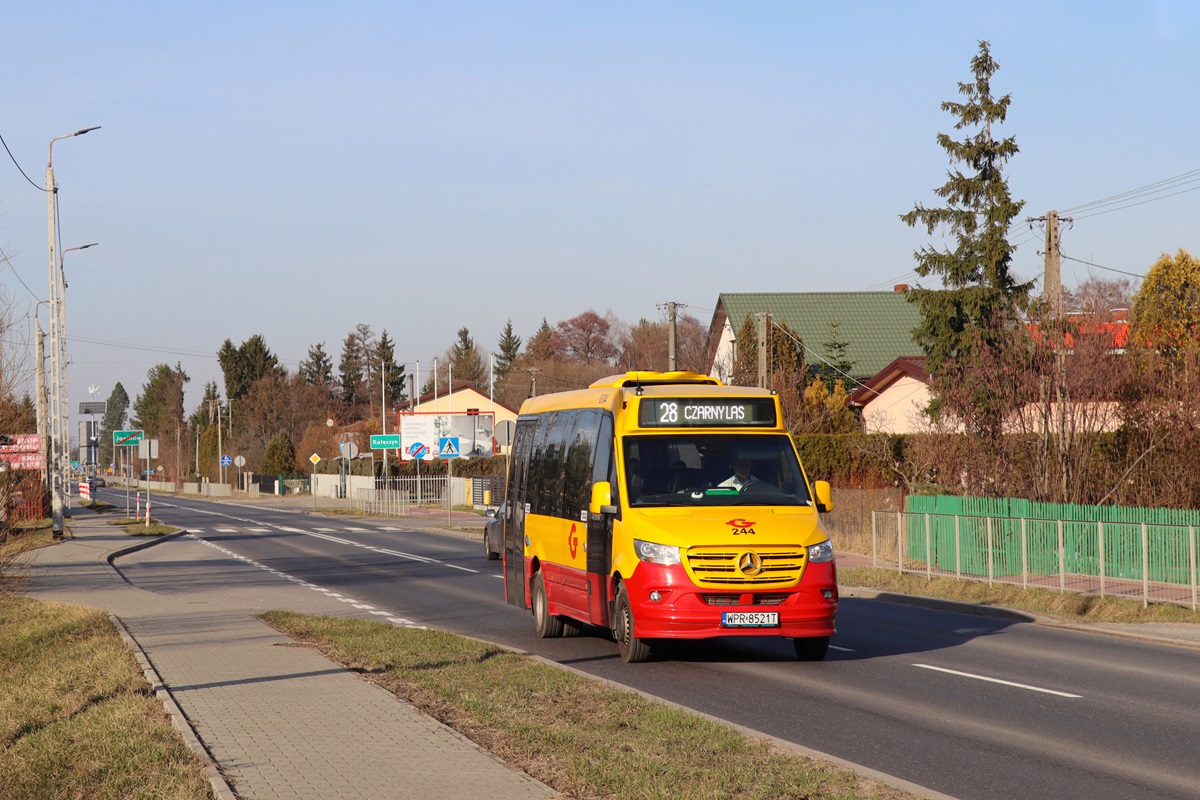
(387, 441)
(127, 438)
(226, 461)
(448, 446)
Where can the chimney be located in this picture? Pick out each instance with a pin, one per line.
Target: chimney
(900, 287)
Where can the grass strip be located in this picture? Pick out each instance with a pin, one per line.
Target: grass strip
(1066, 606)
(77, 718)
(582, 738)
(138, 527)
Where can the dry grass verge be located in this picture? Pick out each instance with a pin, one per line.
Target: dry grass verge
(77, 718)
(580, 737)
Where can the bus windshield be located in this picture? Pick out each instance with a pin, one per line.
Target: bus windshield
(713, 470)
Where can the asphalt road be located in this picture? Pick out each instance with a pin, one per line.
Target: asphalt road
(971, 706)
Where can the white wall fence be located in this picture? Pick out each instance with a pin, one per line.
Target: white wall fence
(399, 495)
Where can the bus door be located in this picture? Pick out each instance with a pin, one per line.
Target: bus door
(600, 528)
(515, 588)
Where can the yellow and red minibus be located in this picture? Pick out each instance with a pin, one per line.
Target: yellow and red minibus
(666, 505)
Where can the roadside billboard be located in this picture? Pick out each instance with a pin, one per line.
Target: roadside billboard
(421, 434)
(25, 452)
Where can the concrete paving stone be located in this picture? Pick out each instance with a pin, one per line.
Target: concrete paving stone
(281, 722)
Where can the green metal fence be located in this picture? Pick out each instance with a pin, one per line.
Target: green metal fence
(1148, 554)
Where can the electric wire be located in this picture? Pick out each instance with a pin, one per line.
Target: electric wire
(1158, 186)
(18, 166)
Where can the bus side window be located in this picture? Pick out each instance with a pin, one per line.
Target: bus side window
(577, 475)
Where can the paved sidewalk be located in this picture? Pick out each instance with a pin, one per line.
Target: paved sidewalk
(280, 721)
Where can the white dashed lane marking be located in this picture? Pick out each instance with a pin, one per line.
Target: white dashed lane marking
(401, 621)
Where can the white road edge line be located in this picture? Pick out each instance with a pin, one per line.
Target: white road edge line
(997, 680)
(843, 649)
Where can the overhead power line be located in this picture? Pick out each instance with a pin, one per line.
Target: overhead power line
(1151, 192)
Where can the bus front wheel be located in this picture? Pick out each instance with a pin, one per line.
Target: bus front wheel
(811, 648)
(548, 626)
(631, 648)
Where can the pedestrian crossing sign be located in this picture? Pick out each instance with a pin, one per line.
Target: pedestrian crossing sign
(448, 447)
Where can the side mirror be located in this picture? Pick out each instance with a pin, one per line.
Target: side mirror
(491, 512)
(824, 496)
(601, 502)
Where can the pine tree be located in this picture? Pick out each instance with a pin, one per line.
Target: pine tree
(395, 378)
(317, 368)
(115, 411)
(466, 362)
(836, 365)
(244, 365)
(981, 296)
(354, 368)
(508, 350)
(280, 456)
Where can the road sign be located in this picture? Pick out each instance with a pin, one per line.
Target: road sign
(387, 441)
(226, 461)
(127, 438)
(504, 432)
(348, 449)
(239, 461)
(418, 450)
(448, 445)
(315, 459)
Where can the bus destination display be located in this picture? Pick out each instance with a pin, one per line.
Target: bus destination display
(661, 412)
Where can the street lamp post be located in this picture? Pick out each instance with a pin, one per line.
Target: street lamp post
(63, 395)
(59, 449)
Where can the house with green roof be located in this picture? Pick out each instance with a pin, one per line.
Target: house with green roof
(876, 327)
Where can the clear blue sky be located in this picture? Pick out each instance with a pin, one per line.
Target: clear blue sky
(292, 169)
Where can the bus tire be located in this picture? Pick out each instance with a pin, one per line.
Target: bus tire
(548, 626)
(811, 648)
(631, 648)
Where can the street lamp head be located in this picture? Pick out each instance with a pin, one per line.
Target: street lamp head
(85, 130)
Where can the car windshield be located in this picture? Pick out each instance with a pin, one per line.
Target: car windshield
(713, 470)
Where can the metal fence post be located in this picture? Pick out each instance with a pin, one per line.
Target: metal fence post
(1024, 556)
(957, 547)
(874, 539)
(1192, 561)
(989, 550)
(1062, 560)
(1145, 569)
(899, 540)
(928, 550)
(1100, 549)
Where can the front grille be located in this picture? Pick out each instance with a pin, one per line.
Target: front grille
(736, 599)
(713, 566)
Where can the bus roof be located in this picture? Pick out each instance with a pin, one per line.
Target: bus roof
(615, 391)
(652, 378)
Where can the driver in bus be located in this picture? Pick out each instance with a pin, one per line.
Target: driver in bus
(741, 475)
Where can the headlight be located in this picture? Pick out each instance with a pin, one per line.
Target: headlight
(820, 553)
(656, 553)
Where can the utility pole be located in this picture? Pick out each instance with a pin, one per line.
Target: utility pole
(672, 360)
(1052, 274)
(532, 381)
(59, 468)
(383, 415)
(763, 323)
(1053, 280)
(40, 391)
